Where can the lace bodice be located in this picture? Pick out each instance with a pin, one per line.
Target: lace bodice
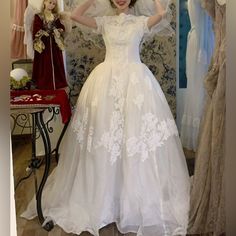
(122, 35)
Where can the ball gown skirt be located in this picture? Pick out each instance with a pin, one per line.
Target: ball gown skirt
(121, 159)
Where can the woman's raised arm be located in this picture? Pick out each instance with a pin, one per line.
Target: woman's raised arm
(78, 15)
(160, 13)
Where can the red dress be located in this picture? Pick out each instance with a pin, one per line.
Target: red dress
(48, 67)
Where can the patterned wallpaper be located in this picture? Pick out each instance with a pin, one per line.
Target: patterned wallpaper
(158, 54)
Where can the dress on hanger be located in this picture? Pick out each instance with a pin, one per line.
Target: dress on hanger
(207, 205)
(121, 160)
(199, 51)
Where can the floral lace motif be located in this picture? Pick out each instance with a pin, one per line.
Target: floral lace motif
(153, 134)
(116, 92)
(90, 138)
(121, 20)
(120, 29)
(112, 139)
(138, 101)
(80, 126)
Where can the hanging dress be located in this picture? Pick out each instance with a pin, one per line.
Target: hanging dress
(200, 46)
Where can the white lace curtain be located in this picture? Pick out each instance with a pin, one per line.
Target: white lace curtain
(199, 51)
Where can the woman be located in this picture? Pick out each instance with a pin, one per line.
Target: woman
(121, 160)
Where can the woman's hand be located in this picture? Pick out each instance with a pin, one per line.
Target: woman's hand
(159, 8)
(160, 13)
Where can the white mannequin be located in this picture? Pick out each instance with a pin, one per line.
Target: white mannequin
(221, 2)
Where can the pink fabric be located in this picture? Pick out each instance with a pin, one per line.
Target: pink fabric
(18, 49)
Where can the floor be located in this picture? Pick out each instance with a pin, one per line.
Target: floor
(21, 147)
(21, 155)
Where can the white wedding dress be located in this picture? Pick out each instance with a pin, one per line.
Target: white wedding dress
(200, 47)
(121, 160)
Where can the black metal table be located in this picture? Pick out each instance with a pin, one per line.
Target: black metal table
(36, 113)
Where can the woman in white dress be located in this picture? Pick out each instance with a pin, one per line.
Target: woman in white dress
(121, 160)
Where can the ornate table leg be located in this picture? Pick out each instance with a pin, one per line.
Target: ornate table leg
(59, 140)
(47, 146)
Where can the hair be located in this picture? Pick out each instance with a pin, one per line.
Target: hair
(54, 10)
(132, 2)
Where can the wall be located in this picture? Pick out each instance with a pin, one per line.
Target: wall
(5, 183)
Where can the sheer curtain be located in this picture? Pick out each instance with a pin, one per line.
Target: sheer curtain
(199, 51)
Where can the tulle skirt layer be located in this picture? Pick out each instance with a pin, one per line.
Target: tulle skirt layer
(121, 160)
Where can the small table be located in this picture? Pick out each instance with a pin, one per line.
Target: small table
(35, 102)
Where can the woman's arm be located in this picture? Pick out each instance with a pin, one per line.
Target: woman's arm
(160, 13)
(77, 15)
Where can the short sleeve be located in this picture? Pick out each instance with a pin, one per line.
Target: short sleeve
(100, 20)
(163, 28)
